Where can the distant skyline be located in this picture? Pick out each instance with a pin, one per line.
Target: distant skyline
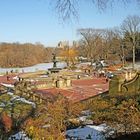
(35, 21)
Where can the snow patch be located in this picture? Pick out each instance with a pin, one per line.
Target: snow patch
(19, 136)
(91, 132)
(26, 101)
(7, 85)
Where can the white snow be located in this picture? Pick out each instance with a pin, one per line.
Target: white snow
(7, 85)
(44, 76)
(26, 101)
(2, 105)
(10, 93)
(83, 118)
(86, 112)
(19, 136)
(16, 78)
(17, 98)
(91, 132)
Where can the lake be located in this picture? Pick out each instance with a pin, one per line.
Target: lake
(41, 66)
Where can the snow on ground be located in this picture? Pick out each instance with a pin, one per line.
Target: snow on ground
(2, 105)
(16, 78)
(18, 98)
(91, 132)
(10, 93)
(44, 76)
(83, 118)
(19, 136)
(86, 112)
(7, 85)
(26, 101)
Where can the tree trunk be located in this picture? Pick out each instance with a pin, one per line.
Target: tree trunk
(91, 61)
(133, 64)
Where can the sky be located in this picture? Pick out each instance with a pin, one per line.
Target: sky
(38, 21)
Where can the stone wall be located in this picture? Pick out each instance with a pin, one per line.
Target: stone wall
(129, 82)
(56, 82)
(133, 85)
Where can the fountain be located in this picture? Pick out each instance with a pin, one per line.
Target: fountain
(54, 69)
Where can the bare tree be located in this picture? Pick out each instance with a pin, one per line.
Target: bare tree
(131, 28)
(68, 8)
(26, 54)
(108, 36)
(92, 42)
(119, 45)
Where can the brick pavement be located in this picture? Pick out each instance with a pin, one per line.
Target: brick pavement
(81, 89)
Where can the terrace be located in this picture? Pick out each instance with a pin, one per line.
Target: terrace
(80, 90)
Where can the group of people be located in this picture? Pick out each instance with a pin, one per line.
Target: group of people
(102, 74)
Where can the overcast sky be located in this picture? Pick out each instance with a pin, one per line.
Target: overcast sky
(37, 21)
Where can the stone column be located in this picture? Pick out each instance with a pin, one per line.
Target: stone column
(130, 75)
(68, 82)
(126, 75)
(60, 83)
(54, 83)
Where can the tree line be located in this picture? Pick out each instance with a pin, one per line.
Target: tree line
(21, 55)
(117, 43)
